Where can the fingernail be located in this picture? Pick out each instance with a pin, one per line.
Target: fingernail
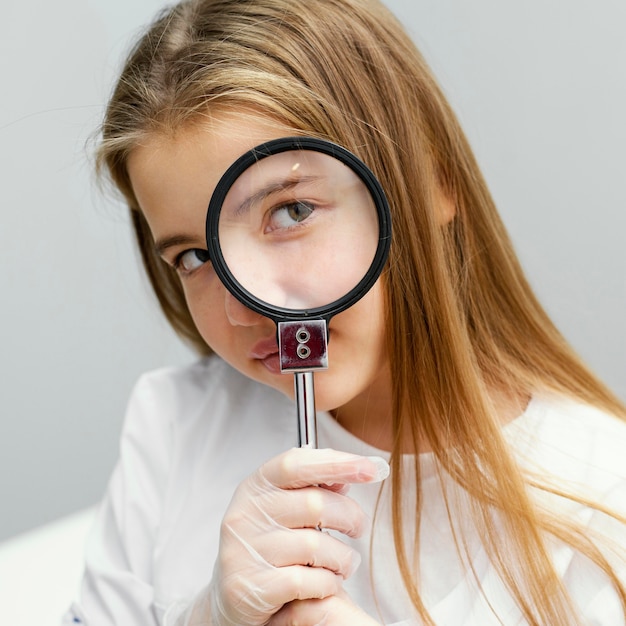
(382, 468)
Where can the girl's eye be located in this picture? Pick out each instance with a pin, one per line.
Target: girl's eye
(191, 260)
(290, 214)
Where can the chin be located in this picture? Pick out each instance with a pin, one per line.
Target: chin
(326, 399)
(329, 399)
(282, 383)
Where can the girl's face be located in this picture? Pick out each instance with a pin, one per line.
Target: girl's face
(173, 177)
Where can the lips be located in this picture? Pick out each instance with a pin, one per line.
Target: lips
(265, 352)
(264, 348)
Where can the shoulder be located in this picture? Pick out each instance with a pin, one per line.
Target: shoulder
(205, 380)
(197, 379)
(205, 398)
(571, 441)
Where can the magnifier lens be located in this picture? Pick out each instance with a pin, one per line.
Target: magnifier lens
(298, 229)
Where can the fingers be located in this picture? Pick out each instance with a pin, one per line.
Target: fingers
(310, 548)
(303, 583)
(300, 467)
(336, 487)
(329, 611)
(258, 505)
(313, 507)
(283, 586)
(278, 547)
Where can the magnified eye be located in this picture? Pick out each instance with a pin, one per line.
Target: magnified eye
(191, 260)
(290, 214)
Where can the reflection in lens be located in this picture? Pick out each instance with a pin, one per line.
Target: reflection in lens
(298, 229)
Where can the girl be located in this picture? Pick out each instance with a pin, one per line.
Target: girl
(505, 499)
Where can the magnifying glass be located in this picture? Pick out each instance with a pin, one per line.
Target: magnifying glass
(298, 229)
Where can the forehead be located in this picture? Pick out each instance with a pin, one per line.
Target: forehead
(173, 175)
(208, 146)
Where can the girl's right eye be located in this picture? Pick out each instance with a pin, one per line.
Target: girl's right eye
(191, 260)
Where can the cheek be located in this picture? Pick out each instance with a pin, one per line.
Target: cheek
(204, 294)
(369, 313)
(360, 332)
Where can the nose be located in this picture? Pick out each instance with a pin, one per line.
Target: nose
(239, 314)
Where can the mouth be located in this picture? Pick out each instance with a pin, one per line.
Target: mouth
(266, 352)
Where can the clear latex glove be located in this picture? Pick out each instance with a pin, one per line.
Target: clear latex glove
(332, 611)
(271, 552)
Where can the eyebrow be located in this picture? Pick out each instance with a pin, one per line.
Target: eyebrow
(273, 188)
(164, 243)
(170, 241)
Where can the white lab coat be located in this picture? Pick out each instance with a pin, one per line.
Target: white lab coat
(191, 435)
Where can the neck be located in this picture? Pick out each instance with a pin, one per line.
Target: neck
(369, 415)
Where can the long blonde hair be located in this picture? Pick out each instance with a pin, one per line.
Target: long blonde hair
(459, 308)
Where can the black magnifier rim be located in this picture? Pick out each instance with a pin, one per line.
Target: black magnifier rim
(276, 146)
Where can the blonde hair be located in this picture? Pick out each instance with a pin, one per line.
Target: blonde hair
(459, 308)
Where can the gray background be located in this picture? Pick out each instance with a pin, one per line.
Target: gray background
(540, 88)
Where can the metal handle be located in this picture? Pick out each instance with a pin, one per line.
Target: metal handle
(305, 406)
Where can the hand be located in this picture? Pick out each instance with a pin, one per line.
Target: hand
(270, 551)
(331, 611)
